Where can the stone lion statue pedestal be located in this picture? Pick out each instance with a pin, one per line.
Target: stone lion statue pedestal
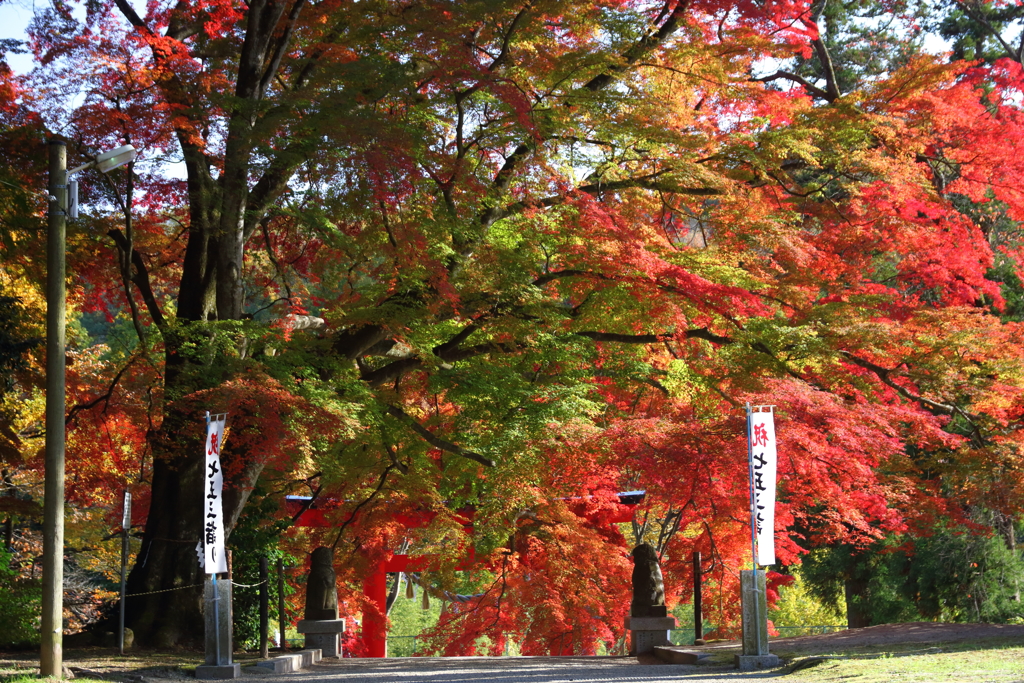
(321, 624)
(323, 635)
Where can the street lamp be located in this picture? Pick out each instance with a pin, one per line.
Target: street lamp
(51, 660)
(105, 163)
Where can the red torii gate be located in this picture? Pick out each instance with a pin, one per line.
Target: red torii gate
(375, 628)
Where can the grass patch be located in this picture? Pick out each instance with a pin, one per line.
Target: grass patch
(986, 662)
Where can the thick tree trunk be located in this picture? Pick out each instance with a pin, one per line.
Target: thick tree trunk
(857, 615)
(165, 585)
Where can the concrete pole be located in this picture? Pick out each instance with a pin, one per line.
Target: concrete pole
(264, 607)
(51, 659)
(126, 525)
(698, 607)
(282, 616)
(124, 571)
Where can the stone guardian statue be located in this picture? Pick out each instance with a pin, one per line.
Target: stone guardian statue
(648, 586)
(321, 586)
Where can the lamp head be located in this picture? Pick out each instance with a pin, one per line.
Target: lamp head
(108, 161)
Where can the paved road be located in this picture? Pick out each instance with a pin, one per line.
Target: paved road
(506, 670)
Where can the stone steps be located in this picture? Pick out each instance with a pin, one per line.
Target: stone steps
(288, 663)
(678, 655)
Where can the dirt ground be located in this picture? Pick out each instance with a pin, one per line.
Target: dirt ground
(156, 667)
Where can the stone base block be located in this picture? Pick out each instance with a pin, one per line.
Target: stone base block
(281, 665)
(644, 642)
(320, 626)
(322, 634)
(329, 644)
(650, 623)
(310, 657)
(756, 662)
(209, 672)
(675, 655)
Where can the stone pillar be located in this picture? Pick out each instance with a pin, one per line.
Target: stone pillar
(755, 623)
(219, 645)
(698, 590)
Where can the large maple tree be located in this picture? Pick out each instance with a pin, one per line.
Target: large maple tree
(552, 248)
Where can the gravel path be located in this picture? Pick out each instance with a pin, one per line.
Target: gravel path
(139, 667)
(505, 670)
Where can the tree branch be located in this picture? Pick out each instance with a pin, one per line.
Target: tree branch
(281, 47)
(140, 278)
(973, 10)
(697, 333)
(650, 41)
(831, 87)
(810, 87)
(647, 182)
(396, 369)
(436, 441)
(125, 252)
(131, 15)
(883, 374)
(369, 499)
(568, 272)
(103, 397)
(628, 59)
(506, 40)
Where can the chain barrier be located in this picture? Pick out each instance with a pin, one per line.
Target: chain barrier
(195, 585)
(165, 590)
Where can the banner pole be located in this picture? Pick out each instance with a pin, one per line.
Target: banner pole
(126, 523)
(754, 583)
(216, 617)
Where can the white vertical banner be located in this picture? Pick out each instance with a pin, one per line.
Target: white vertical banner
(126, 512)
(215, 558)
(763, 465)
